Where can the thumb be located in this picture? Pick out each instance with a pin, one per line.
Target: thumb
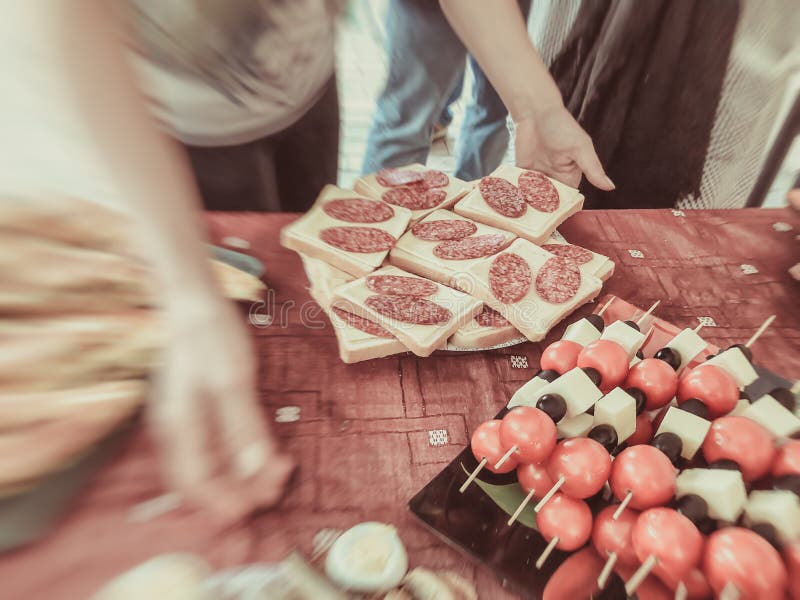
(588, 162)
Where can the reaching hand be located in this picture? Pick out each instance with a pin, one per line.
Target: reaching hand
(552, 142)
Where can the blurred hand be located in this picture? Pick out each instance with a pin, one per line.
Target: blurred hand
(218, 450)
(552, 142)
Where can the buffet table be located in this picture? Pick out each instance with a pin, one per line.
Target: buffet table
(368, 436)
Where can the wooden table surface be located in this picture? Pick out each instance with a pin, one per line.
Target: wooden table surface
(365, 435)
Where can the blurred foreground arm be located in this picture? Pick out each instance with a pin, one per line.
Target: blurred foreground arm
(548, 139)
(218, 451)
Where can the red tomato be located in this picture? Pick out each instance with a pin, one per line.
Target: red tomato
(787, 460)
(534, 477)
(656, 379)
(583, 463)
(561, 356)
(748, 561)
(609, 535)
(643, 433)
(697, 586)
(566, 518)
(647, 473)
(610, 360)
(672, 539)
(743, 441)
(531, 431)
(791, 558)
(711, 385)
(485, 443)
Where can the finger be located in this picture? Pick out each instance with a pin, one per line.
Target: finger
(588, 162)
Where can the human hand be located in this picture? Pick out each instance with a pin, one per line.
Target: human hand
(552, 142)
(217, 450)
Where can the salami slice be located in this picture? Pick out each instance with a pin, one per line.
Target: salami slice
(558, 280)
(358, 210)
(538, 191)
(400, 285)
(414, 197)
(362, 324)
(576, 254)
(409, 309)
(444, 229)
(471, 247)
(435, 179)
(395, 177)
(357, 239)
(503, 197)
(491, 318)
(509, 278)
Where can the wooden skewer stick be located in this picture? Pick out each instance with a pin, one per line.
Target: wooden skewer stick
(649, 312)
(473, 475)
(760, 330)
(729, 592)
(640, 575)
(698, 328)
(521, 507)
(602, 579)
(556, 486)
(547, 552)
(506, 456)
(681, 593)
(622, 505)
(606, 305)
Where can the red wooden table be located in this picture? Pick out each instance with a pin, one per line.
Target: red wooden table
(364, 437)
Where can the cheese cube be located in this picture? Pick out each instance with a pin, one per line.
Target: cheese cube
(625, 336)
(779, 508)
(581, 332)
(738, 410)
(735, 363)
(531, 224)
(528, 394)
(578, 426)
(618, 409)
(688, 345)
(773, 416)
(689, 427)
(723, 491)
(577, 390)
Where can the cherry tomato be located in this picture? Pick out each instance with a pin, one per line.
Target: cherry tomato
(787, 460)
(561, 356)
(748, 561)
(531, 431)
(743, 441)
(697, 586)
(791, 558)
(534, 477)
(712, 386)
(647, 473)
(656, 379)
(583, 463)
(672, 539)
(610, 360)
(643, 433)
(609, 535)
(485, 443)
(566, 518)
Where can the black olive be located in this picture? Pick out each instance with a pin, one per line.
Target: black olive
(768, 532)
(548, 375)
(707, 526)
(593, 374)
(553, 405)
(669, 356)
(785, 397)
(604, 435)
(745, 396)
(670, 444)
(745, 350)
(640, 355)
(641, 400)
(725, 464)
(788, 482)
(597, 322)
(696, 407)
(632, 324)
(692, 507)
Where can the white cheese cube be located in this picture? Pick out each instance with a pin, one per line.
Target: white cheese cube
(735, 363)
(581, 332)
(739, 409)
(528, 394)
(625, 336)
(577, 390)
(779, 508)
(570, 427)
(688, 344)
(618, 409)
(773, 416)
(723, 491)
(690, 428)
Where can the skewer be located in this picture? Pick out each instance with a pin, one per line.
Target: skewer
(648, 313)
(506, 456)
(547, 552)
(521, 507)
(640, 575)
(760, 331)
(622, 505)
(681, 593)
(556, 486)
(606, 305)
(698, 328)
(729, 592)
(473, 475)
(602, 579)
